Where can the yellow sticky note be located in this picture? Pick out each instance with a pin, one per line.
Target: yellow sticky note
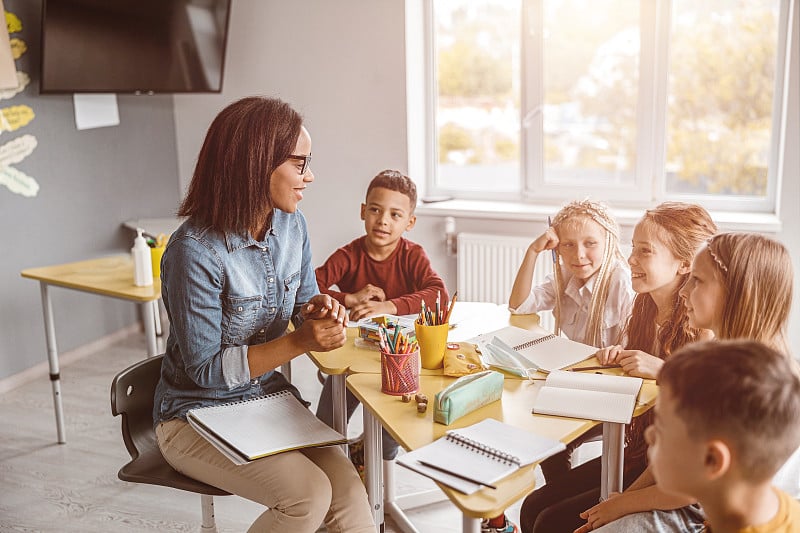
(15, 117)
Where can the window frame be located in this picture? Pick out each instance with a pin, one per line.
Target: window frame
(655, 28)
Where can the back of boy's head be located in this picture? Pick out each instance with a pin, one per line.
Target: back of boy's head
(754, 270)
(395, 181)
(743, 393)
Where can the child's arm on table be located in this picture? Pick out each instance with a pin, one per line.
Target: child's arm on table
(522, 283)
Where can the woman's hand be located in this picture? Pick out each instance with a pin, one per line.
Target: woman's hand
(603, 513)
(321, 334)
(323, 306)
(640, 364)
(608, 355)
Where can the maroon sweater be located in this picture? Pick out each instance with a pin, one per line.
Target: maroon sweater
(406, 276)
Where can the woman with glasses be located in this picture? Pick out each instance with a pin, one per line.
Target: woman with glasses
(233, 275)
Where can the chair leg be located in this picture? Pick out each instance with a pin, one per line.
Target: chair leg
(209, 525)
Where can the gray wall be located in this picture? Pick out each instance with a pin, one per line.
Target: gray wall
(344, 67)
(90, 182)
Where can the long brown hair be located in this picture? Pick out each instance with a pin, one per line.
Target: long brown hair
(244, 145)
(683, 228)
(575, 213)
(756, 272)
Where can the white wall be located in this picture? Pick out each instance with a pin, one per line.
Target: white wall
(342, 64)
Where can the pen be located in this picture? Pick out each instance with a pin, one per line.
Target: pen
(454, 474)
(553, 250)
(601, 367)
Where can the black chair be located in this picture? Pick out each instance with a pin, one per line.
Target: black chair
(132, 397)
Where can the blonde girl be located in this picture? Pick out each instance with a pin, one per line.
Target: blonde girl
(590, 291)
(665, 241)
(740, 288)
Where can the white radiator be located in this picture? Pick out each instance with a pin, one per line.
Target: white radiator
(488, 264)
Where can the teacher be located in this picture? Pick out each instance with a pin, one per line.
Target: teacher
(233, 275)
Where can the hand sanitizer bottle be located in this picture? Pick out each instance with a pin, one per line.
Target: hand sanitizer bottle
(142, 265)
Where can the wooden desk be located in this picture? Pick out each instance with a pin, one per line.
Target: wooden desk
(107, 276)
(412, 430)
(471, 319)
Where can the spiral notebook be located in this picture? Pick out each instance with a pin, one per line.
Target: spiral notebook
(479, 455)
(248, 430)
(536, 350)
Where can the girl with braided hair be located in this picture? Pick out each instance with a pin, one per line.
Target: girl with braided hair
(590, 291)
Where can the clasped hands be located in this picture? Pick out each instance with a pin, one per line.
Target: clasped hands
(324, 324)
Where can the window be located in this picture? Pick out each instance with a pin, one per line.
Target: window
(631, 101)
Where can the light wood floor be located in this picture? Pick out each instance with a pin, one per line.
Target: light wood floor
(49, 487)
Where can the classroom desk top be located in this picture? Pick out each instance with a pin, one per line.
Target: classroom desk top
(108, 276)
(471, 319)
(413, 430)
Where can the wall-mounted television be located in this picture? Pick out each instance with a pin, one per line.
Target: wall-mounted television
(133, 46)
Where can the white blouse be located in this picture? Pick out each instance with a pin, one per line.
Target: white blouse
(576, 300)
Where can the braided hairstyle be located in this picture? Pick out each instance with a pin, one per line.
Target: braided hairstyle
(578, 212)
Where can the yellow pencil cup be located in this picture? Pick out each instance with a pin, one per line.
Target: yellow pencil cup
(155, 256)
(432, 342)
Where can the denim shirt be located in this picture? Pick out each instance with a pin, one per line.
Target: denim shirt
(224, 292)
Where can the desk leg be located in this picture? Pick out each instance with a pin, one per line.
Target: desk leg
(338, 388)
(470, 525)
(149, 319)
(373, 472)
(52, 358)
(612, 458)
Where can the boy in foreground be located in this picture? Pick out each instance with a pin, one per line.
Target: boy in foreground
(380, 273)
(727, 417)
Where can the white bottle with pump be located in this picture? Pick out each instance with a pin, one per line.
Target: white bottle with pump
(142, 264)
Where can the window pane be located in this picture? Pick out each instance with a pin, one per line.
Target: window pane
(591, 77)
(477, 45)
(721, 84)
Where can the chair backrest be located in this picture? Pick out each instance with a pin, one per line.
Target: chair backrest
(132, 394)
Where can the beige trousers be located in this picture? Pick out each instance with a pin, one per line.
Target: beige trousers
(302, 489)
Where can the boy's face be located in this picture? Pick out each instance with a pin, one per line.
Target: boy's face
(704, 295)
(581, 245)
(386, 215)
(676, 459)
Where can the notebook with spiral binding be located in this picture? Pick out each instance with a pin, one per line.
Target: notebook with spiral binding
(479, 455)
(248, 430)
(538, 349)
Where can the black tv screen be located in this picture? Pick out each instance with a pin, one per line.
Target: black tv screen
(133, 46)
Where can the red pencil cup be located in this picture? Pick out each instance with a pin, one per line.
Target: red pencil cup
(399, 373)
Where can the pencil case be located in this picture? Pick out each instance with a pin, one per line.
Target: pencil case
(467, 394)
(462, 360)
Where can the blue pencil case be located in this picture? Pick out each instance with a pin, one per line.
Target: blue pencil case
(467, 394)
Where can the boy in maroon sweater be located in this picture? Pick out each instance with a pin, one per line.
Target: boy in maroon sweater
(381, 272)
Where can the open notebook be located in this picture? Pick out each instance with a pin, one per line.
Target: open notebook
(536, 350)
(477, 456)
(590, 396)
(259, 427)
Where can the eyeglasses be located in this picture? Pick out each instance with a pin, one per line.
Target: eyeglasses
(306, 159)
